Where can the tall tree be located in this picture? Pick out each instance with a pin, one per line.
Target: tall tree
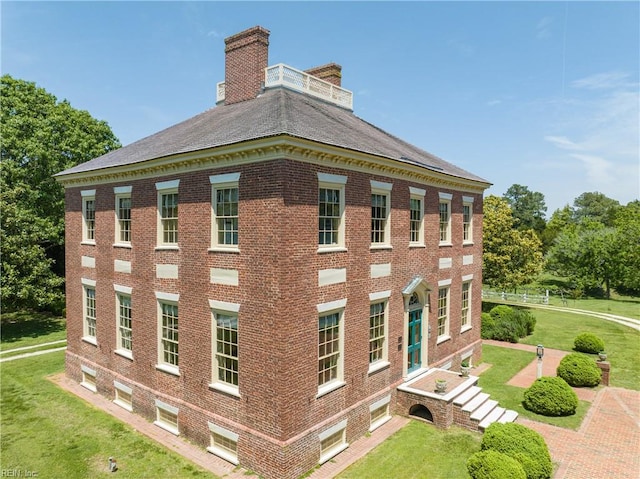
(511, 257)
(40, 137)
(627, 247)
(560, 219)
(528, 208)
(596, 206)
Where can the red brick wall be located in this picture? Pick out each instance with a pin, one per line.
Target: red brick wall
(246, 57)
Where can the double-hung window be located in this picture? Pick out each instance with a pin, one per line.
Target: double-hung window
(330, 346)
(444, 210)
(380, 214)
(89, 311)
(467, 219)
(124, 344)
(416, 216)
(167, 213)
(225, 368)
(378, 327)
(88, 216)
(331, 206)
(123, 215)
(443, 312)
(465, 320)
(225, 205)
(168, 345)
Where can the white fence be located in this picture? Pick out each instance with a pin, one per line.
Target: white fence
(517, 297)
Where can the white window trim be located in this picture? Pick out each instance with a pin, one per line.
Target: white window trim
(418, 194)
(223, 453)
(440, 338)
(170, 298)
(118, 386)
(227, 180)
(227, 308)
(88, 195)
(385, 401)
(384, 189)
(323, 310)
(120, 192)
(468, 279)
(468, 201)
(335, 182)
(382, 296)
(87, 371)
(164, 188)
(168, 408)
(341, 426)
(445, 198)
(121, 290)
(88, 283)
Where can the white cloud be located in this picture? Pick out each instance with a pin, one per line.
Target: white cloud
(564, 143)
(543, 28)
(603, 81)
(598, 170)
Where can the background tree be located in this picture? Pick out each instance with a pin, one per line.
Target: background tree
(511, 257)
(560, 219)
(627, 248)
(40, 137)
(528, 208)
(596, 206)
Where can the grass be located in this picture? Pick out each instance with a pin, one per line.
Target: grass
(28, 328)
(51, 432)
(505, 364)
(417, 451)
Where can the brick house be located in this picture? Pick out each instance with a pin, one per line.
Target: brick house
(262, 277)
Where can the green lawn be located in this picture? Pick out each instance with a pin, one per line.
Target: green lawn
(418, 451)
(620, 305)
(51, 432)
(27, 328)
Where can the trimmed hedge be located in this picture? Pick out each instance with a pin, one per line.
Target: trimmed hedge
(491, 464)
(504, 323)
(550, 396)
(579, 370)
(522, 444)
(588, 343)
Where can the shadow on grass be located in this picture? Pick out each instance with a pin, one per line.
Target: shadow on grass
(29, 324)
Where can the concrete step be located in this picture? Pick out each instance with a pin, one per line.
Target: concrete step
(492, 417)
(508, 416)
(482, 411)
(466, 396)
(475, 402)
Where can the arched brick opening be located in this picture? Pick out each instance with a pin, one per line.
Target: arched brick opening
(422, 412)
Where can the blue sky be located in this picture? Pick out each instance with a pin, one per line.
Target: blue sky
(544, 94)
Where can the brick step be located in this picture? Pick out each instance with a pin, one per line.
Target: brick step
(476, 402)
(492, 417)
(466, 396)
(482, 411)
(508, 416)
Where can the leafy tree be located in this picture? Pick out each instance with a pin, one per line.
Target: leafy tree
(528, 208)
(560, 219)
(511, 257)
(40, 137)
(596, 206)
(627, 247)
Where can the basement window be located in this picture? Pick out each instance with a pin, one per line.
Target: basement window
(223, 443)
(379, 413)
(167, 417)
(333, 441)
(124, 396)
(88, 379)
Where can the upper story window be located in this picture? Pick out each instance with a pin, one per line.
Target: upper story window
(225, 346)
(168, 213)
(331, 206)
(467, 219)
(88, 216)
(445, 218)
(123, 214)
(380, 214)
(225, 200)
(416, 216)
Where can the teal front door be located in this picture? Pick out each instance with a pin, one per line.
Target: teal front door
(414, 349)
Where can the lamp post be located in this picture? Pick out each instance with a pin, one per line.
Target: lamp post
(539, 353)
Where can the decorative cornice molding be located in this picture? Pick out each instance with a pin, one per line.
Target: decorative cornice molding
(269, 149)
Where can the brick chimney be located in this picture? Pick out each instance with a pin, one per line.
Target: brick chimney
(246, 57)
(331, 72)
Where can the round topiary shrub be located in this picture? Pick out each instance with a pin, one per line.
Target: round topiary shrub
(579, 370)
(522, 444)
(551, 396)
(491, 464)
(588, 343)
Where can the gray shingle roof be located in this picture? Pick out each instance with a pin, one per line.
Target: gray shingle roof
(277, 111)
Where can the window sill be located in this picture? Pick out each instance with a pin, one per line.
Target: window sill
(332, 249)
(220, 249)
(90, 339)
(122, 245)
(167, 368)
(167, 427)
(377, 366)
(223, 454)
(124, 353)
(88, 242)
(467, 243)
(225, 388)
(445, 243)
(123, 405)
(380, 247)
(327, 388)
(167, 247)
(88, 386)
(417, 245)
(464, 329)
(333, 452)
(442, 339)
(379, 423)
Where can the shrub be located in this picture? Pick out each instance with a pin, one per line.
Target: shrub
(579, 370)
(551, 396)
(491, 464)
(504, 323)
(588, 343)
(526, 318)
(487, 326)
(522, 444)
